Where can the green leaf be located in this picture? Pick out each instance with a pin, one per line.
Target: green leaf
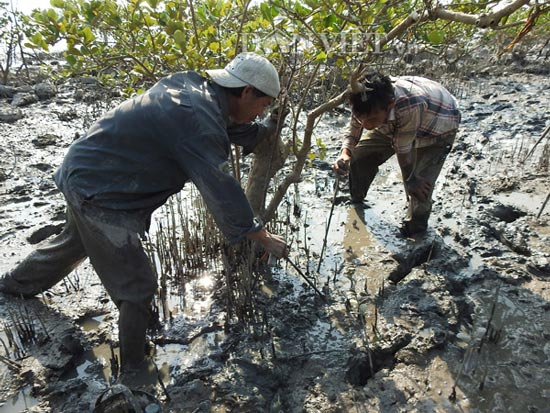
(301, 9)
(340, 62)
(181, 40)
(37, 40)
(320, 144)
(52, 15)
(436, 37)
(88, 35)
(149, 20)
(214, 46)
(331, 21)
(164, 18)
(321, 57)
(71, 60)
(268, 12)
(57, 3)
(179, 36)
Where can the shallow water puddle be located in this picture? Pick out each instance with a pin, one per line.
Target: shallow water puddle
(182, 357)
(95, 364)
(20, 402)
(367, 238)
(86, 364)
(92, 323)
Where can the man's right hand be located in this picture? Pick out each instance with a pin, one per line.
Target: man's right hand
(273, 244)
(341, 166)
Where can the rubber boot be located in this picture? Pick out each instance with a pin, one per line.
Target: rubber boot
(136, 371)
(132, 327)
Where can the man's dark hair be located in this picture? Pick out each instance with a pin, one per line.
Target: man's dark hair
(237, 91)
(376, 99)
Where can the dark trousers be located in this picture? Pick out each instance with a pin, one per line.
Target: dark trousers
(376, 149)
(117, 255)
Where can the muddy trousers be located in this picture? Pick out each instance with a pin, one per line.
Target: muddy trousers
(376, 149)
(118, 258)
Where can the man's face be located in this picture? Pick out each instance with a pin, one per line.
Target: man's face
(374, 119)
(248, 106)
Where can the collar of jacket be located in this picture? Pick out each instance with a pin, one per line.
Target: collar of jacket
(222, 98)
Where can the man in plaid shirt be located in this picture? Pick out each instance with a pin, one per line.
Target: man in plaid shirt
(413, 117)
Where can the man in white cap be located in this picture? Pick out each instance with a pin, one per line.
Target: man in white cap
(128, 164)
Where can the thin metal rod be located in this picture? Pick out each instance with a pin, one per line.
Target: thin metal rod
(336, 185)
(543, 205)
(544, 134)
(306, 278)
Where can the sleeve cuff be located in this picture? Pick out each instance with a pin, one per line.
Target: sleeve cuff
(256, 226)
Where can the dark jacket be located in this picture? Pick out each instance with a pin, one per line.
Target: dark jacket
(146, 149)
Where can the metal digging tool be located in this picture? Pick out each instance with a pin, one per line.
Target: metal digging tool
(306, 278)
(336, 186)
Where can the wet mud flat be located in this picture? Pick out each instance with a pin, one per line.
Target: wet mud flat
(457, 320)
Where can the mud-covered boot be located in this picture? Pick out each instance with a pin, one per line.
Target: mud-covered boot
(143, 377)
(135, 369)
(119, 398)
(411, 229)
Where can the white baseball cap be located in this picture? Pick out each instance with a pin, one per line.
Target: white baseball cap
(248, 69)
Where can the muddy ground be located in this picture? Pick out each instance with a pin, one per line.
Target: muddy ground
(464, 327)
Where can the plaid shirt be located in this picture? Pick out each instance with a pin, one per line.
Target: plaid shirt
(424, 110)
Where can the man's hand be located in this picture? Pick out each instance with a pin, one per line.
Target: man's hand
(418, 187)
(273, 244)
(278, 112)
(273, 124)
(341, 166)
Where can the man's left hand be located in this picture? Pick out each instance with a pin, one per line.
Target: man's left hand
(279, 112)
(273, 244)
(419, 187)
(272, 122)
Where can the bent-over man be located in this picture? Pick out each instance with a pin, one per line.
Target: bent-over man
(410, 116)
(128, 164)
